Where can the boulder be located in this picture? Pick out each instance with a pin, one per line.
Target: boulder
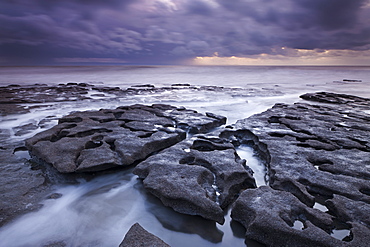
(199, 176)
(137, 236)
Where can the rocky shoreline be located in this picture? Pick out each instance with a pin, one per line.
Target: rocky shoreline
(316, 153)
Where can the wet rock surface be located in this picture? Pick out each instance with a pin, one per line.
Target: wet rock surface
(319, 154)
(98, 140)
(21, 188)
(13, 97)
(269, 217)
(137, 236)
(19, 196)
(334, 98)
(199, 176)
(315, 153)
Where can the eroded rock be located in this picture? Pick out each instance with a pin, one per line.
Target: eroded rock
(320, 154)
(198, 176)
(270, 216)
(137, 236)
(21, 188)
(98, 140)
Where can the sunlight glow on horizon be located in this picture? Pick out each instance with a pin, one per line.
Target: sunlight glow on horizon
(289, 56)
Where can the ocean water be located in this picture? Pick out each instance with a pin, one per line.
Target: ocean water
(100, 211)
(288, 77)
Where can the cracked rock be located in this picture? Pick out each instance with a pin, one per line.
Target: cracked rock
(320, 154)
(97, 140)
(269, 216)
(198, 176)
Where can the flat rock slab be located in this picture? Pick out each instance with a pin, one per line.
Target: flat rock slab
(93, 141)
(198, 176)
(137, 236)
(21, 188)
(334, 98)
(320, 154)
(270, 217)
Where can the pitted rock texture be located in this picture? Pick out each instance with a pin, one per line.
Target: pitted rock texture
(137, 236)
(97, 140)
(269, 215)
(198, 176)
(318, 153)
(17, 197)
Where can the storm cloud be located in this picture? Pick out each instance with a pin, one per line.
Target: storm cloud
(173, 31)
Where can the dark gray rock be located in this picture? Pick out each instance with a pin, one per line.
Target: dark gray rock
(334, 98)
(137, 236)
(352, 80)
(97, 140)
(269, 216)
(24, 129)
(41, 93)
(14, 97)
(324, 147)
(318, 153)
(349, 210)
(198, 176)
(177, 222)
(21, 188)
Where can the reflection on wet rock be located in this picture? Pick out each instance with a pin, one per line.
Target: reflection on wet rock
(174, 221)
(198, 176)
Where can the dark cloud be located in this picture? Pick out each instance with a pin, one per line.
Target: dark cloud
(167, 31)
(199, 8)
(300, 14)
(332, 14)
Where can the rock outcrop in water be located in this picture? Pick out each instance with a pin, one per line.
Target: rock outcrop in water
(199, 176)
(14, 97)
(137, 236)
(97, 140)
(319, 154)
(315, 154)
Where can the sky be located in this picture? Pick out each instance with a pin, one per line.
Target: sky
(197, 32)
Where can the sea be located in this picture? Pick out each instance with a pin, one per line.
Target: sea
(99, 211)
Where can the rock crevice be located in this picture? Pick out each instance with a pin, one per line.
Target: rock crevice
(97, 140)
(315, 155)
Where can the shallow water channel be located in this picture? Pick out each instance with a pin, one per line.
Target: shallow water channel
(99, 212)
